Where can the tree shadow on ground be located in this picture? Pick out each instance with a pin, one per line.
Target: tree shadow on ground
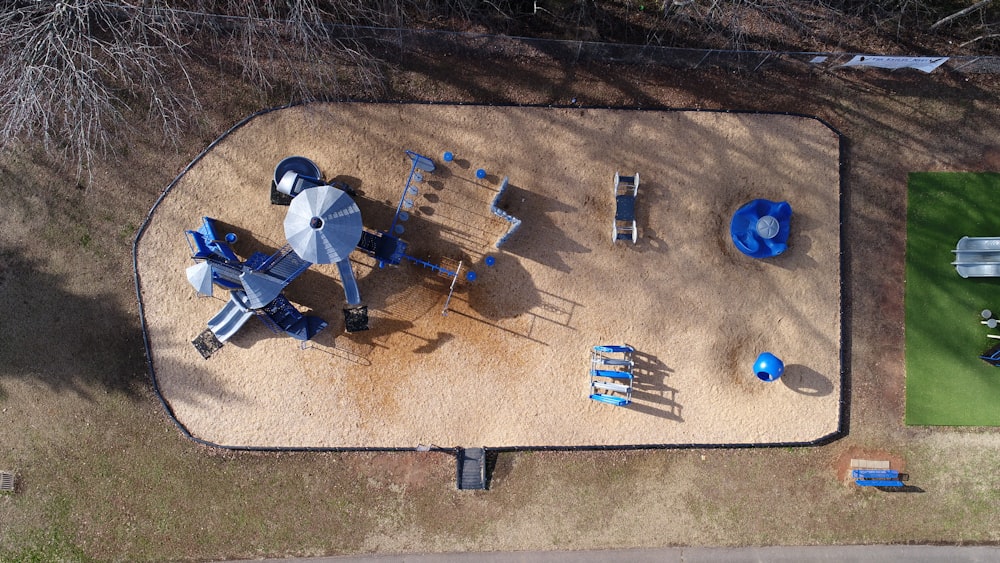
(67, 341)
(550, 243)
(512, 292)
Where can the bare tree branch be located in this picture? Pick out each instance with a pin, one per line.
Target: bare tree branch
(960, 13)
(68, 69)
(980, 38)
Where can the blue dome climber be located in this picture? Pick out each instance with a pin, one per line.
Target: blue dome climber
(768, 367)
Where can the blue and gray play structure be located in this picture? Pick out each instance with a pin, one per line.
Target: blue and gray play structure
(611, 374)
(296, 173)
(323, 226)
(760, 228)
(876, 478)
(515, 223)
(388, 248)
(256, 285)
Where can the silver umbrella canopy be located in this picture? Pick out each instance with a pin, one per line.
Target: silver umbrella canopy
(200, 277)
(323, 225)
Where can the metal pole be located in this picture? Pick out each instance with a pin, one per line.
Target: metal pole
(444, 312)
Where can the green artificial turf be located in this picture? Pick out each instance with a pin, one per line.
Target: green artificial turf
(946, 382)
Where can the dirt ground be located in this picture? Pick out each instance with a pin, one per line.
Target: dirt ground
(508, 365)
(102, 472)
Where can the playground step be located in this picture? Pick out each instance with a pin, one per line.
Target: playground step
(611, 400)
(471, 468)
(623, 349)
(610, 386)
(610, 373)
(286, 265)
(6, 482)
(869, 464)
(613, 362)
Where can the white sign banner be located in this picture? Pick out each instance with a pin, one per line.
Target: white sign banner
(924, 64)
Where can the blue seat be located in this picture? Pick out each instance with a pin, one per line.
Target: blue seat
(878, 483)
(611, 400)
(625, 208)
(614, 362)
(615, 349)
(610, 373)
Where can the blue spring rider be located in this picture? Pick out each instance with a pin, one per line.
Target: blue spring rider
(760, 228)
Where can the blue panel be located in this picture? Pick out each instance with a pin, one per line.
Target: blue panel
(874, 474)
(878, 483)
(616, 401)
(611, 374)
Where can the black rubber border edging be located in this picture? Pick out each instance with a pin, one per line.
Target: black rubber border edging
(843, 423)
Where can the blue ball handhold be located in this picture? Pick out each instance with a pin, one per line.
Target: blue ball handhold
(768, 367)
(470, 276)
(448, 156)
(490, 261)
(480, 173)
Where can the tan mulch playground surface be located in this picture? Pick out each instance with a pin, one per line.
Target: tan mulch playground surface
(507, 366)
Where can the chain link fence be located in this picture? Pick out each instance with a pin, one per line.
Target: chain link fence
(399, 43)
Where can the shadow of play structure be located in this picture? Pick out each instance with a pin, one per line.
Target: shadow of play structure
(323, 225)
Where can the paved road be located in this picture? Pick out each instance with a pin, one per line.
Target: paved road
(860, 554)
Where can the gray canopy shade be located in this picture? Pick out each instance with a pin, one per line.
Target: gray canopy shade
(323, 225)
(200, 276)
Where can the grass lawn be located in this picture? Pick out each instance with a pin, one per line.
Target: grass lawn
(946, 382)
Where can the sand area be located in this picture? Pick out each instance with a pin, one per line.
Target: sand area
(508, 365)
